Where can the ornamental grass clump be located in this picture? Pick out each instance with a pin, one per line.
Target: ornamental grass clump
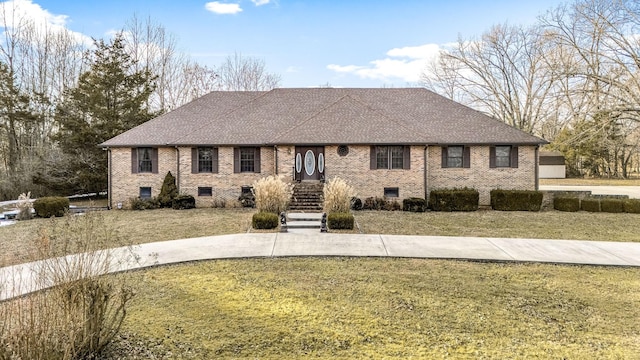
(272, 194)
(337, 196)
(25, 207)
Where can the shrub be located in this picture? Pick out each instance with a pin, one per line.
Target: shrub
(392, 205)
(373, 203)
(337, 196)
(612, 205)
(516, 200)
(219, 203)
(24, 206)
(247, 199)
(168, 192)
(272, 194)
(356, 204)
(566, 203)
(51, 206)
(265, 220)
(144, 204)
(414, 204)
(632, 206)
(590, 204)
(182, 202)
(339, 221)
(454, 199)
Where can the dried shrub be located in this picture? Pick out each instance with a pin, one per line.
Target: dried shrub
(590, 204)
(272, 194)
(340, 221)
(566, 203)
(265, 220)
(612, 205)
(51, 206)
(144, 204)
(337, 196)
(414, 204)
(356, 204)
(25, 206)
(632, 206)
(81, 315)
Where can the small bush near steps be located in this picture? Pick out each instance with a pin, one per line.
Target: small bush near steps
(340, 221)
(264, 220)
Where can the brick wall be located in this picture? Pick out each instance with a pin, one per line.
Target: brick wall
(354, 167)
(479, 176)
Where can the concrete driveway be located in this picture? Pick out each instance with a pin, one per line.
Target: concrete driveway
(632, 191)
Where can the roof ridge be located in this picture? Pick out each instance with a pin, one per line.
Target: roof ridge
(200, 128)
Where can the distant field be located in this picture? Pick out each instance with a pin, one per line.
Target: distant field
(593, 182)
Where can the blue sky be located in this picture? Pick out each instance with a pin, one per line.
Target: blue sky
(309, 43)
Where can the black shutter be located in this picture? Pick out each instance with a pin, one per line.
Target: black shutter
(514, 156)
(406, 153)
(444, 156)
(372, 159)
(194, 161)
(492, 156)
(236, 160)
(134, 160)
(466, 157)
(214, 159)
(256, 162)
(154, 160)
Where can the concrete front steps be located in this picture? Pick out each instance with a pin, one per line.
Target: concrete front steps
(307, 197)
(304, 222)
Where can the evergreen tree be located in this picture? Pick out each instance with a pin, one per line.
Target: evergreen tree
(169, 190)
(110, 98)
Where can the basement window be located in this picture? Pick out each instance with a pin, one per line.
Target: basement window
(145, 192)
(391, 192)
(205, 191)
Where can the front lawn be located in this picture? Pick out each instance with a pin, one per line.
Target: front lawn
(382, 308)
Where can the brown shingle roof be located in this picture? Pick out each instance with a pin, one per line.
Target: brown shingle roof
(322, 116)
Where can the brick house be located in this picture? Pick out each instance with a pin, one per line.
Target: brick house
(397, 143)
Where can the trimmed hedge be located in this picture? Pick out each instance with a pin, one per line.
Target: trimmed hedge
(454, 199)
(380, 203)
(590, 204)
(51, 206)
(339, 221)
(182, 202)
(632, 206)
(414, 204)
(516, 200)
(566, 203)
(612, 205)
(265, 220)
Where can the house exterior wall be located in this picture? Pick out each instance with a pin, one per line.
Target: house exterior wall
(480, 176)
(353, 167)
(125, 185)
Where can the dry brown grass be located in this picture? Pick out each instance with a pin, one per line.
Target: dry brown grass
(591, 182)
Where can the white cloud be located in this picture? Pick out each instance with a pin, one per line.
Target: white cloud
(16, 13)
(405, 63)
(220, 8)
(260, 2)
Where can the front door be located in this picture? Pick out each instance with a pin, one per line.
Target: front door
(309, 163)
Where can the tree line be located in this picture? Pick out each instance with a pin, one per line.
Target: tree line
(572, 78)
(61, 95)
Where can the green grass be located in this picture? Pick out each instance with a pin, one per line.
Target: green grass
(382, 308)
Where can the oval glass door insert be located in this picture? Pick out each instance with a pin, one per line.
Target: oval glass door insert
(298, 163)
(321, 163)
(309, 162)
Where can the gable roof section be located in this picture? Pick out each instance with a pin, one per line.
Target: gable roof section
(322, 116)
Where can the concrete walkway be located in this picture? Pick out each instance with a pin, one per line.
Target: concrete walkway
(23, 279)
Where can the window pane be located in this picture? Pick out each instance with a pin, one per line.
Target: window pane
(145, 193)
(205, 191)
(144, 160)
(247, 160)
(382, 157)
(454, 156)
(397, 157)
(503, 156)
(205, 160)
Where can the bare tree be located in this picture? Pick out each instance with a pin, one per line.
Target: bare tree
(238, 73)
(502, 73)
